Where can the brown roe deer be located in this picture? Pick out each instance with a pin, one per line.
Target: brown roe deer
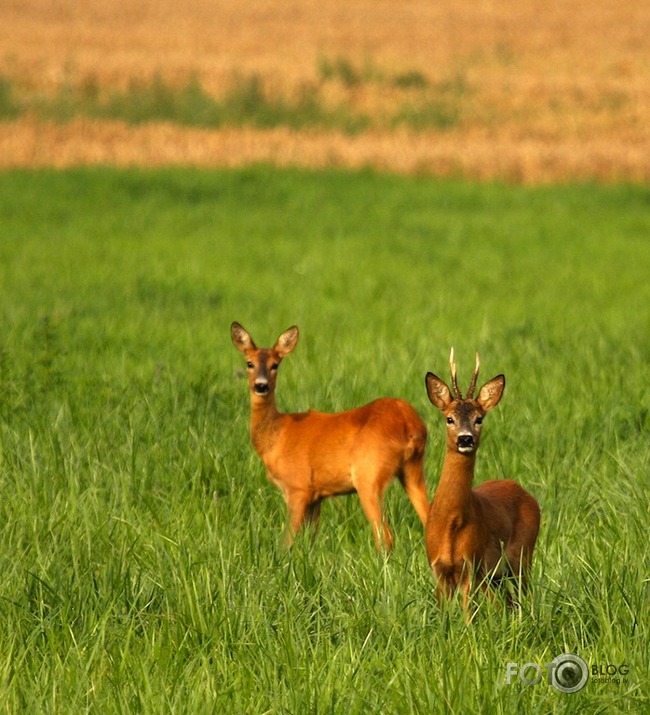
(480, 534)
(312, 455)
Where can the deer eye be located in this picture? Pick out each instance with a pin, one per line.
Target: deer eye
(478, 421)
(275, 366)
(450, 420)
(249, 365)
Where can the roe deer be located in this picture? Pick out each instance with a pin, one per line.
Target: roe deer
(484, 533)
(312, 455)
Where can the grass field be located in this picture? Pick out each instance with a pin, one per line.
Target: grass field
(138, 534)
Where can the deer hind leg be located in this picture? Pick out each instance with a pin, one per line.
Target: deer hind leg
(443, 592)
(446, 583)
(519, 558)
(519, 550)
(412, 479)
(312, 517)
(371, 499)
(494, 575)
(498, 585)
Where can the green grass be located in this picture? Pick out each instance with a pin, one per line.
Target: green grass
(342, 70)
(9, 108)
(248, 101)
(138, 535)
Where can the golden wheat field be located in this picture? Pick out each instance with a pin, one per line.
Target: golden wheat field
(542, 90)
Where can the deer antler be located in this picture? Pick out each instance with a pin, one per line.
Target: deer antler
(472, 384)
(454, 376)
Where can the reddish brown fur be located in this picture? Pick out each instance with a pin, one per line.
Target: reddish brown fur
(476, 534)
(312, 455)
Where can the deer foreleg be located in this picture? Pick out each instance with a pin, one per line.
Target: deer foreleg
(298, 503)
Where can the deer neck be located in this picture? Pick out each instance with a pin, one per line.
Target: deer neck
(263, 422)
(453, 497)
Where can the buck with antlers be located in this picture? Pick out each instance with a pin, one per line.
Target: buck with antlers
(312, 455)
(480, 534)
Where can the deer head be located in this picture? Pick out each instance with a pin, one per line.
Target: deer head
(262, 363)
(464, 415)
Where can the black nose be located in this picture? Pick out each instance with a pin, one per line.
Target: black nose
(261, 388)
(465, 441)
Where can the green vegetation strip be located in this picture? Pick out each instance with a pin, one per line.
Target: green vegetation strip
(138, 534)
(248, 102)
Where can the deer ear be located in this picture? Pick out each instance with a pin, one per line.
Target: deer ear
(240, 338)
(287, 341)
(490, 394)
(437, 391)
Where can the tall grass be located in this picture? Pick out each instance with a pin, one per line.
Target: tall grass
(139, 536)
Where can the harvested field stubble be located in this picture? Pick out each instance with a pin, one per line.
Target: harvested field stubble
(475, 155)
(526, 91)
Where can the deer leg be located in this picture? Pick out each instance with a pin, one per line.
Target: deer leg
(467, 580)
(466, 591)
(412, 479)
(312, 515)
(445, 586)
(442, 592)
(371, 501)
(297, 505)
(519, 559)
(519, 550)
(501, 584)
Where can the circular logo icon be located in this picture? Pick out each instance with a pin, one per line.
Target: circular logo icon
(570, 673)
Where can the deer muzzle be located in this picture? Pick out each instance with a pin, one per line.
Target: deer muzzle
(261, 387)
(465, 443)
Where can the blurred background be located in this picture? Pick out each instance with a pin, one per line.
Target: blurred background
(520, 90)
